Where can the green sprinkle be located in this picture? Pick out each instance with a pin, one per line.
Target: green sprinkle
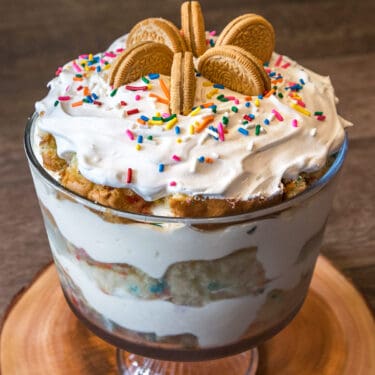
(113, 93)
(157, 118)
(275, 87)
(221, 96)
(56, 103)
(79, 75)
(85, 100)
(149, 137)
(145, 80)
(318, 113)
(245, 122)
(225, 120)
(168, 118)
(280, 95)
(257, 130)
(234, 109)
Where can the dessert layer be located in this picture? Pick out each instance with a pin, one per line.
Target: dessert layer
(126, 138)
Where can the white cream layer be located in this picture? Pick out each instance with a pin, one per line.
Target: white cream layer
(243, 167)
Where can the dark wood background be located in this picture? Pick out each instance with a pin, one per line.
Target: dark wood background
(335, 38)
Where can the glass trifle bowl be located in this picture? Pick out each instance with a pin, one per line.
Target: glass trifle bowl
(199, 291)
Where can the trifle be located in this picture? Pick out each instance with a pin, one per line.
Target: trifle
(185, 181)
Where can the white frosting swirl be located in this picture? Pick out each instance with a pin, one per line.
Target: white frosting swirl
(242, 166)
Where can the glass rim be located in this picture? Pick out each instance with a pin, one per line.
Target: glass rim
(313, 189)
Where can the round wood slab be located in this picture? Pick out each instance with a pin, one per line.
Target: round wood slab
(334, 333)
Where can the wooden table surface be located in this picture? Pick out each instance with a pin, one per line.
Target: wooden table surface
(335, 38)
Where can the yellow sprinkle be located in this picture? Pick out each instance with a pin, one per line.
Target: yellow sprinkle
(149, 86)
(212, 93)
(207, 84)
(179, 140)
(191, 129)
(157, 114)
(257, 103)
(170, 124)
(153, 122)
(195, 111)
(301, 109)
(138, 147)
(106, 67)
(296, 96)
(90, 57)
(87, 68)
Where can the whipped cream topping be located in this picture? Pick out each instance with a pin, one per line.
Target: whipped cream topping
(250, 145)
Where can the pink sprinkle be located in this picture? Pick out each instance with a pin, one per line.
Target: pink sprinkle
(230, 97)
(76, 67)
(138, 97)
(67, 88)
(103, 61)
(286, 65)
(300, 102)
(213, 33)
(58, 71)
(136, 88)
(176, 158)
(173, 183)
(109, 54)
(132, 111)
(83, 56)
(130, 134)
(268, 70)
(123, 103)
(295, 123)
(64, 98)
(220, 129)
(236, 101)
(321, 118)
(279, 60)
(165, 115)
(277, 115)
(119, 50)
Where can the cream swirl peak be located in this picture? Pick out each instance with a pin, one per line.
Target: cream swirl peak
(230, 146)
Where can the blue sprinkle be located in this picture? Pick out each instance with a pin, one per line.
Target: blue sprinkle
(161, 168)
(218, 86)
(266, 121)
(89, 99)
(154, 75)
(98, 68)
(247, 104)
(133, 289)
(243, 131)
(157, 288)
(212, 43)
(266, 63)
(272, 74)
(177, 130)
(140, 139)
(198, 74)
(260, 96)
(144, 118)
(201, 159)
(302, 81)
(94, 96)
(251, 116)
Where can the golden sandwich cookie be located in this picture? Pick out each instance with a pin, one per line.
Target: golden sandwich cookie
(252, 33)
(182, 88)
(139, 60)
(234, 68)
(157, 30)
(193, 27)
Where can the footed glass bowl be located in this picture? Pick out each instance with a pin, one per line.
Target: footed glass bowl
(201, 292)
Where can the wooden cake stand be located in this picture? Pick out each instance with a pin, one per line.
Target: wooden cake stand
(333, 334)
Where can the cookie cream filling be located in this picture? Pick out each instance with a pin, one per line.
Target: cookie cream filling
(251, 144)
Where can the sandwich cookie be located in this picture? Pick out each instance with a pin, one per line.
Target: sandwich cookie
(193, 27)
(157, 30)
(252, 33)
(236, 69)
(182, 88)
(141, 59)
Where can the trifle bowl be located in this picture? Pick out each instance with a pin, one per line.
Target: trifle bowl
(185, 245)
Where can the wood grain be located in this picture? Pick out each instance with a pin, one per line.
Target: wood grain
(336, 38)
(334, 333)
